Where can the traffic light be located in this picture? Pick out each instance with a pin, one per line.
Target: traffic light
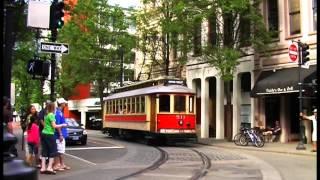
(304, 53)
(56, 14)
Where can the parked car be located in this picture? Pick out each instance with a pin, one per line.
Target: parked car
(76, 133)
(95, 123)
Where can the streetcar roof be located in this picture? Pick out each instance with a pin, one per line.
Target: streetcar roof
(152, 90)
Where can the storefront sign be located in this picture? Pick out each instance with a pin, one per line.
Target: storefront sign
(280, 90)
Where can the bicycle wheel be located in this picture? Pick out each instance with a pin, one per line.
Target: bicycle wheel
(236, 139)
(243, 140)
(259, 140)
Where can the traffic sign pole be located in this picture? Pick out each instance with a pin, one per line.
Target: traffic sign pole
(54, 33)
(300, 145)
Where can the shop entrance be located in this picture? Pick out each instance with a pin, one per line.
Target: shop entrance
(272, 107)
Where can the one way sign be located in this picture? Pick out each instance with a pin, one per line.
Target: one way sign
(50, 47)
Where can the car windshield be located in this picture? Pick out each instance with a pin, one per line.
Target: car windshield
(72, 122)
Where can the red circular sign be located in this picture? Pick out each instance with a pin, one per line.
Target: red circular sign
(293, 52)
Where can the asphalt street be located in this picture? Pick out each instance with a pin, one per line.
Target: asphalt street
(107, 158)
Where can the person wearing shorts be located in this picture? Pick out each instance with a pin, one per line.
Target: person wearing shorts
(48, 140)
(60, 135)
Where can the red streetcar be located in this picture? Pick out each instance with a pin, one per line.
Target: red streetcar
(163, 108)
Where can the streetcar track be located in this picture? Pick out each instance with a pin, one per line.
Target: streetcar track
(206, 164)
(163, 158)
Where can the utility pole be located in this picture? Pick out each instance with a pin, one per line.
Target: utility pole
(54, 33)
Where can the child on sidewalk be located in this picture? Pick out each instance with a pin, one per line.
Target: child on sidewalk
(33, 140)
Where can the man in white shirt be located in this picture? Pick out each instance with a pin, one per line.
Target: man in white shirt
(312, 118)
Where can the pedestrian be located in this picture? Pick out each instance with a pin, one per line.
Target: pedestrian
(33, 140)
(42, 114)
(7, 114)
(312, 118)
(31, 112)
(273, 132)
(7, 122)
(48, 144)
(61, 135)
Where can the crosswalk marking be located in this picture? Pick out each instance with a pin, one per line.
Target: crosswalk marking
(93, 148)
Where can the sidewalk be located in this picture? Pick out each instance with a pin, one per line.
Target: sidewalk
(286, 148)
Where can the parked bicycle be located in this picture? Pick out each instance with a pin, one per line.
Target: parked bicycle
(249, 135)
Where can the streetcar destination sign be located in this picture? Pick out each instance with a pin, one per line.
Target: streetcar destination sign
(50, 47)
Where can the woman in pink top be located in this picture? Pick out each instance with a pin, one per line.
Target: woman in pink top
(33, 140)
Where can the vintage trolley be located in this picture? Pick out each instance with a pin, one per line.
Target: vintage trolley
(155, 109)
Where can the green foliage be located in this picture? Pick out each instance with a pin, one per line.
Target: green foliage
(223, 58)
(95, 34)
(27, 90)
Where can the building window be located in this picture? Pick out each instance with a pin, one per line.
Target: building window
(213, 38)
(245, 29)
(273, 17)
(294, 16)
(179, 104)
(197, 39)
(314, 11)
(164, 103)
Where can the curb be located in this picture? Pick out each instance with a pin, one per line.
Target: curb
(261, 150)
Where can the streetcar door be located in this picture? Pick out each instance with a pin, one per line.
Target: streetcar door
(153, 118)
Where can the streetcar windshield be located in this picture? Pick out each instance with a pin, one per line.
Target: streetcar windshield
(179, 103)
(164, 103)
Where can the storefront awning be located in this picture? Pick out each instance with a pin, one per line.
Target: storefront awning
(282, 81)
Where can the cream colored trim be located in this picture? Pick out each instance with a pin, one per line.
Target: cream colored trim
(171, 103)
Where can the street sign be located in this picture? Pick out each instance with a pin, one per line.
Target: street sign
(293, 52)
(50, 47)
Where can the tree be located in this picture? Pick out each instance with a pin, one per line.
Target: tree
(165, 31)
(96, 32)
(27, 89)
(233, 25)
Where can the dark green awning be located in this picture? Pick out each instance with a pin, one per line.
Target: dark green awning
(282, 81)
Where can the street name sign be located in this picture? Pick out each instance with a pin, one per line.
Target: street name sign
(50, 47)
(293, 52)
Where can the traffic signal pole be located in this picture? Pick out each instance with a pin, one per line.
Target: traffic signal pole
(54, 34)
(300, 145)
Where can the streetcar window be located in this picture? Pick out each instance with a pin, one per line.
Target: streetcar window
(179, 103)
(119, 106)
(114, 106)
(107, 107)
(133, 106)
(164, 103)
(128, 105)
(124, 110)
(191, 104)
(142, 105)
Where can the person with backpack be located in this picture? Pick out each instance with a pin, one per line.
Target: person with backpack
(33, 140)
